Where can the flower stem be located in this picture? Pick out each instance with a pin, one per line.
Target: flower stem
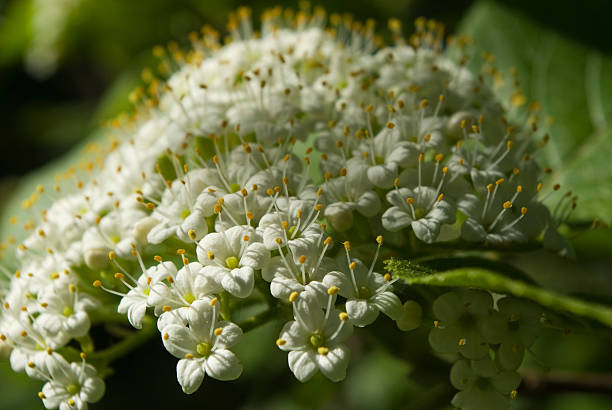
(126, 345)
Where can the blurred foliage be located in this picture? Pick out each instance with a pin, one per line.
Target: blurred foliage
(573, 85)
(101, 50)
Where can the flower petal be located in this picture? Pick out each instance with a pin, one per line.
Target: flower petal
(189, 374)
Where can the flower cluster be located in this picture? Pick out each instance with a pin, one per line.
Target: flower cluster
(255, 171)
(469, 325)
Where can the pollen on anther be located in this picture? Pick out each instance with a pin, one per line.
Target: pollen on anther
(293, 296)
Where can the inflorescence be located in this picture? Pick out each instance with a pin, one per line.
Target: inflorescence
(244, 174)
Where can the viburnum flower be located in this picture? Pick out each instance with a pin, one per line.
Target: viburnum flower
(63, 315)
(231, 257)
(113, 232)
(514, 326)
(134, 304)
(350, 192)
(246, 168)
(301, 268)
(383, 156)
(461, 315)
(367, 292)
(315, 338)
(294, 220)
(70, 385)
(424, 209)
(178, 212)
(184, 286)
(481, 385)
(195, 336)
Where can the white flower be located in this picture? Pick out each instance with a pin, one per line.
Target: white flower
(494, 220)
(231, 257)
(202, 343)
(344, 194)
(292, 221)
(180, 212)
(315, 339)
(63, 315)
(301, 268)
(71, 385)
(384, 155)
(242, 208)
(190, 283)
(135, 302)
(366, 291)
(114, 232)
(422, 208)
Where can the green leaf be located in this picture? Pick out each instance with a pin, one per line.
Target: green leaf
(572, 83)
(486, 279)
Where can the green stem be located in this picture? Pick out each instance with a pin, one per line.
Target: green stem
(482, 278)
(126, 345)
(264, 288)
(225, 306)
(107, 314)
(257, 320)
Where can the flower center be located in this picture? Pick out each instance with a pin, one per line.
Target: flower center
(482, 383)
(73, 388)
(146, 291)
(234, 187)
(231, 262)
(189, 298)
(364, 292)
(513, 323)
(467, 320)
(290, 231)
(115, 238)
(185, 213)
(317, 340)
(203, 349)
(420, 212)
(68, 311)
